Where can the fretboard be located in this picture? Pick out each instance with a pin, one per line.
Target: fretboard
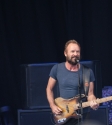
(106, 99)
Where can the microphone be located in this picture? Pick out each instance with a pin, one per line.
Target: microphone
(77, 60)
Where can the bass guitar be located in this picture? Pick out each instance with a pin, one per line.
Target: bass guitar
(69, 108)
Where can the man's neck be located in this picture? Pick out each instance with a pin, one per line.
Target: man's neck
(72, 67)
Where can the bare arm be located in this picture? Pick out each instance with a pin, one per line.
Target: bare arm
(91, 97)
(50, 96)
(49, 90)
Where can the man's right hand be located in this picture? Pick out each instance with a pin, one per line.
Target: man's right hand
(56, 110)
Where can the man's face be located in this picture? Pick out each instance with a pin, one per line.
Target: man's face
(72, 53)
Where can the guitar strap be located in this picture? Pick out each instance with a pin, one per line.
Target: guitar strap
(86, 79)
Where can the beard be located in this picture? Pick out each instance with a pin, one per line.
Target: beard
(73, 61)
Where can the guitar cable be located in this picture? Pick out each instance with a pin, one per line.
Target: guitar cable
(52, 119)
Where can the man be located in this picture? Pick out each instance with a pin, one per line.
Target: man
(66, 74)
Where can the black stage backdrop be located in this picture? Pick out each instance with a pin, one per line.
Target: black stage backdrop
(35, 31)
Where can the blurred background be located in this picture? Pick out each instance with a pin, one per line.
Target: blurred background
(35, 31)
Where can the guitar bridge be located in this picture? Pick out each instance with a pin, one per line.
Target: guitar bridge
(61, 120)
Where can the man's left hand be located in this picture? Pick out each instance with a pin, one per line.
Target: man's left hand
(94, 105)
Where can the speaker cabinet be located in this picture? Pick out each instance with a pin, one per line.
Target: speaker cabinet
(35, 117)
(34, 79)
(44, 117)
(100, 116)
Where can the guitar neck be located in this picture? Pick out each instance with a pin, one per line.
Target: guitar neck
(87, 104)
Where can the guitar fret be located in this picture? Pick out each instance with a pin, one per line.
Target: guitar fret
(86, 104)
(105, 99)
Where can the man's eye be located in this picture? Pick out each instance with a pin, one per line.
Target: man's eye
(77, 51)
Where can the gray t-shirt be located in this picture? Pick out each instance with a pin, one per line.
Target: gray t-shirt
(69, 80)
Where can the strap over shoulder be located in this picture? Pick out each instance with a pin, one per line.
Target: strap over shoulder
(86, 78)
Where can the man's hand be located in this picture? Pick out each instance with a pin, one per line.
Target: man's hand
(94, 105)
(56, 110)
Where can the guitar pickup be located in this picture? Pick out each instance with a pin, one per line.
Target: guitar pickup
(67, 108)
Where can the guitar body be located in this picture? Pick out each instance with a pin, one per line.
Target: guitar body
(68, 107)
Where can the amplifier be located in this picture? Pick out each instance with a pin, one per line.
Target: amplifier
(45, 117)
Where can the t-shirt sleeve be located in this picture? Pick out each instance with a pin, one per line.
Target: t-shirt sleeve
(53, 72)
(92, 77)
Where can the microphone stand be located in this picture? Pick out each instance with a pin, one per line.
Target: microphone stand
(80, 97)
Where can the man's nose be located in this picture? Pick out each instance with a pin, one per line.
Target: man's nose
(75, 53)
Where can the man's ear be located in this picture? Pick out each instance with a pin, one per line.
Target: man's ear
(65, 53)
